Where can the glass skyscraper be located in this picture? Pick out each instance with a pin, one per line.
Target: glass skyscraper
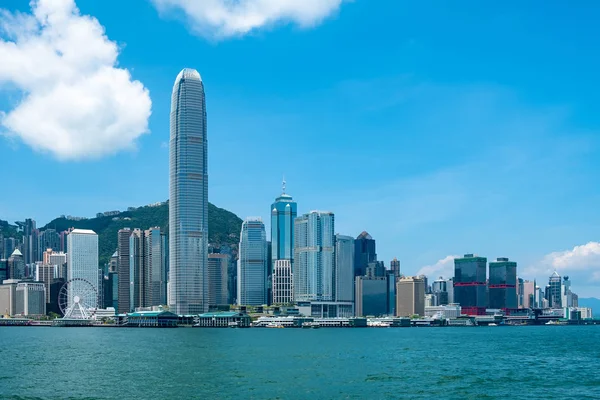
(188, 196)
(502, 285)
(344, 268)
(314, 260)
(364, 253)
(252, 264)
(82, 262)
(283, 213)
(470, 284)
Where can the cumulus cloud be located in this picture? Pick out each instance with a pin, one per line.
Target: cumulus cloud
(582, 262)
(444, 268)
(225, 18)
(76, 103)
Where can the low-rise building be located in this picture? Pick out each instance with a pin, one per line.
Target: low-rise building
(223, 319)
(30, 298)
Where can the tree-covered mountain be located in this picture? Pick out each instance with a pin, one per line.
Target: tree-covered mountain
(223, 226)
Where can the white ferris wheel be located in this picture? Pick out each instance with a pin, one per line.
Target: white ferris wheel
(78, 299)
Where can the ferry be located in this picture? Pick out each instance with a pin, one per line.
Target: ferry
(492, 324)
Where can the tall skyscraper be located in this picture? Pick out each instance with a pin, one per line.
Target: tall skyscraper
(371, 296)
(217, 279)
(470, 284)
(502, 284)
(16, 265)
(410, 296)
(157, 265)
(188, 196)
(252, 264)
(124, 281)
(395, 267)
(364, 253)
(82, 260)
(138, 271)
(554, 291)
(344, 268)
(314, 259)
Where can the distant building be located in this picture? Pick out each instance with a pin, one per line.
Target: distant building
(470, 284)
(217, 279)
(82, 261)
(443, 312)
(30, 298)
(8, 297)
(314, 260)
(364, 253)
(16, 265)
(502, 284)
(440, 290)
(395, 267)
(410, 297)
(553, 293)
(252, 264)
(283, 288)
(139, 276)
(371, 297)
(10, 244)
(283, 214)
(124, 284)
(46, 273)
(344, 268)
(59, 260)
(49, 239)
(528, 294)
(157, 265)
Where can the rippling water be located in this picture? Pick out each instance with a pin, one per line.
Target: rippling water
(486, 362)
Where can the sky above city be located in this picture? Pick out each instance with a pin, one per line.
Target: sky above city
(439, 129)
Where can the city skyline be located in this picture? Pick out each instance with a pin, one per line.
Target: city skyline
(424, 196)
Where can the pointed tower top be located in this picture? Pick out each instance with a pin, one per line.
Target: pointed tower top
(283, 185)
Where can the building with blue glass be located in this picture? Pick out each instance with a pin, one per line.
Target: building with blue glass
(188, 196)
(283, 214)
(252, 264)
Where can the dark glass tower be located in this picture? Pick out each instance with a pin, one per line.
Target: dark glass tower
(469, 284)
(364, 253)
(502, 284)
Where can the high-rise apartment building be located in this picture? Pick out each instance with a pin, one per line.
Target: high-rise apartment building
(314, 260)
(217, 279)
(470, 284)
(502, 284)
(252, 264)
(410, 296)
(283, 287)
(188, 196)
(364, 253)
(124, 281)
(82, 261)
(344, 268)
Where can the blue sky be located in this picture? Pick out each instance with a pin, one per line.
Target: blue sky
(441, 130)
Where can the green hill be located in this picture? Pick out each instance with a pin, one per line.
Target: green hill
(223, 226)
(8, 230)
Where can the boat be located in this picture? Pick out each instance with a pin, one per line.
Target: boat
(310, 325)
(234, 324)
(492, 324)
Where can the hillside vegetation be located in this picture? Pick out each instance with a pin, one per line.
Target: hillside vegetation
(223, 226)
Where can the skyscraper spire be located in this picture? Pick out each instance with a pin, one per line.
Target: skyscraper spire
(283, 185)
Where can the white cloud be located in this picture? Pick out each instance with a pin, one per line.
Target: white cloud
(225, 18)
(444, 268)
(583, 260)
(76, 103)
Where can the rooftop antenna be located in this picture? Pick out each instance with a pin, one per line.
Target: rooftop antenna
(283, 184)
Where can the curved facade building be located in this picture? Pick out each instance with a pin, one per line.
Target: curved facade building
(188, 196)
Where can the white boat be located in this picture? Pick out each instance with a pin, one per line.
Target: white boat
(492, 324)
(234, 324)
(274, 325)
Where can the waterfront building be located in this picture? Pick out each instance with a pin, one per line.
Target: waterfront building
(124, 282)
(283, 287)
(252, 264)
(314, 260)
(16, 265)
(502, 284)
(152, 319)
(82, 261)
(553, 292)
(157, 259)
(371, 296)
(395, 267)
(223, 319)
(8, 297)
(30, 298)
(344, 268)
(443, 311)
(217, 279)
(410, 296)
(188, 196)
(439, 288)
(326, 309)
(364, 253)
(470, 284)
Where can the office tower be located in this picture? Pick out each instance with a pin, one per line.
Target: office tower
(375, 269)
(395, 267)
(439, 289)
(31, 298)
(82, 261)
(3, 270)
(410, 296)
(138, 274)
(553, 293)
(283, 289)
(283, 214)
(63, 241)
(528, 294)
(217, 279)
(46, 273)
(502, 284)
(16, 265)
(344, 268)
(30, 243)
(567, 297)
(371, 296)
(49, 239)
(8, 297)
(314, 259)
(188, 196)
(520, 292)
(364, 253)
(391, 299)
(10, 244)
(252, 264)
(124, 283)
(157, 265)
(470, 284)
(58, 259)
(113, 264)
